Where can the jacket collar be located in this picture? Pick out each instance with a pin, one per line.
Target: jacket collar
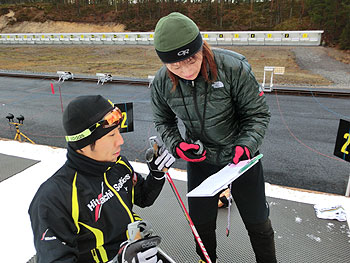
(189, 82)
(86, 165)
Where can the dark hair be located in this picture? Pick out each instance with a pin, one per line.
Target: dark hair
(208, 60)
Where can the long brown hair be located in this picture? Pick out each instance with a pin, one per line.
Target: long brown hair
(208, 61)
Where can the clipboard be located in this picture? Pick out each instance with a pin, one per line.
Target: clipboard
(220, 180)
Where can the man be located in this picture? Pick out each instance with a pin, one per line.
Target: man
(81, 213)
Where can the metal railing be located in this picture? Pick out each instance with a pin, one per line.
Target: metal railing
(272, 38)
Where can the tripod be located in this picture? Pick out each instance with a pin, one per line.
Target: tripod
(19, 134)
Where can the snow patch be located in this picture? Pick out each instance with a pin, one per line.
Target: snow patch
(311, 236)
(298, 220)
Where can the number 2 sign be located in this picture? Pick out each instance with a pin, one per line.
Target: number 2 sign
(342, 144)
(127, 124)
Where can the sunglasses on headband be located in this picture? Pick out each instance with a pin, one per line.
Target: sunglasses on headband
(113, 118)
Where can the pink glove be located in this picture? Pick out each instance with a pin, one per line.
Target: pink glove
(240, 154)
(187, 152)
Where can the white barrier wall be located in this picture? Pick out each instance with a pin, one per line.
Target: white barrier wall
(276, 38)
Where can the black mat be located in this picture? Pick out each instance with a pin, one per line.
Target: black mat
(11, 165)
(299, 235)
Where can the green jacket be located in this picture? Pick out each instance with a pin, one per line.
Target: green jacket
(229, 112)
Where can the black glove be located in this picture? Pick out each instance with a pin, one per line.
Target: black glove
(159, 159)
(140, 251)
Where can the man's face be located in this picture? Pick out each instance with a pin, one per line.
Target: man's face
(107, 148)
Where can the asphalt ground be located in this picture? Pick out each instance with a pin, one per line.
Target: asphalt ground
(298, 148)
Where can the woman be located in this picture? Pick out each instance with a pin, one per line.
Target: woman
(216, 95)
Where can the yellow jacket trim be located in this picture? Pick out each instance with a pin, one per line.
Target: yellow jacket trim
(75, 204)
(98, 233)
(95, 256)
(120, 161)
(99, 241)
(132, 194)
(120, 199)
(123, 163)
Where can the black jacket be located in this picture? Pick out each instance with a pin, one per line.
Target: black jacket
(81, 213)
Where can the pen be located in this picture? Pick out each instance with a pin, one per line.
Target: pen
(251, 163)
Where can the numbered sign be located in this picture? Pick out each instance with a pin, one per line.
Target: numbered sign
(342, 144)
(127, 124)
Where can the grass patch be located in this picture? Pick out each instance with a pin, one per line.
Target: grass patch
(340, 55)
(141, 61)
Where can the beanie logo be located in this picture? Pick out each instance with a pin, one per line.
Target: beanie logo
(183, 52)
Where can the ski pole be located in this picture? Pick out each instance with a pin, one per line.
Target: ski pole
(193, 228)
(178, 197)
(229, 211)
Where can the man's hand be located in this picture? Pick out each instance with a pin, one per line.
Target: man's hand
(158, 158)
(187, 152)
(140, 251)
(240, 153)
(158, 163)
(148, 256)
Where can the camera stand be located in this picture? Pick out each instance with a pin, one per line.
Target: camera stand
(19, 134)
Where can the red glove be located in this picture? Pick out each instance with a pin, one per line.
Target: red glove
(240, 154)
(187, 152)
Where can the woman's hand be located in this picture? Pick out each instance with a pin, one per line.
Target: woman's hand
(187, 152)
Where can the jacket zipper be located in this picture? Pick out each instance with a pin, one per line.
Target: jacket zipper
(203, 133)
(194, 93)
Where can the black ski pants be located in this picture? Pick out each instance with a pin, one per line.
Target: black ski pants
(248, 192)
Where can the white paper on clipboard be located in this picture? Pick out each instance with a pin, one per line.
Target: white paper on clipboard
(220, 180)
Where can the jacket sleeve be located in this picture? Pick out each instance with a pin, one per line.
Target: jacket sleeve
(147, 189)
(165, 120)
(53, 229)
(251, 107)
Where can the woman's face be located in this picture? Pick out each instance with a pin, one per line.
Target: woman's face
(189, 68)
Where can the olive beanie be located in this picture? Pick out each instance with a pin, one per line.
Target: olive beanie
(176, 37)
